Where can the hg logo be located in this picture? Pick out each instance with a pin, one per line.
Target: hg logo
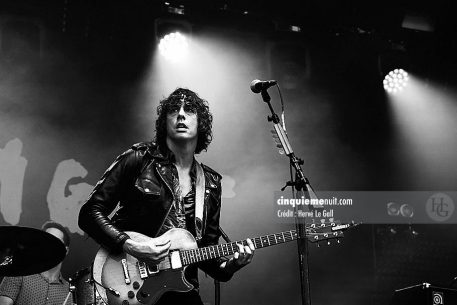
(440, 207)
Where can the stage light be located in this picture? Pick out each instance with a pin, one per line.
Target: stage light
(174, 46)
(395, 80)
(418, 21)
(172, 36)
(392, 63)
(295, 28)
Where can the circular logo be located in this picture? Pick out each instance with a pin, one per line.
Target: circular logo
(393, 209)
(440, 207)
(437, 298)
(406, 210)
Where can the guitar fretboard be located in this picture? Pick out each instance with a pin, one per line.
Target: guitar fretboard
(202, 254)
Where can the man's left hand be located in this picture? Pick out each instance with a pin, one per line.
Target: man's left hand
(242, 257)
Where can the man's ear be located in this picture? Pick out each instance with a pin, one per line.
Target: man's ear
(67, 249)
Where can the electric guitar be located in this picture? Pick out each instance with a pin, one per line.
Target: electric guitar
(128, 281)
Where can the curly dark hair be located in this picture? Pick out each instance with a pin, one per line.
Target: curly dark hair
(199, 105)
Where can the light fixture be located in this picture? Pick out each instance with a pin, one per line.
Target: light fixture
(395, 80)
(418, 21)
(393, 64)
(172, 36)
(174, 46)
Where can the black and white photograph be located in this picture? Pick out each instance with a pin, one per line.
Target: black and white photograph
(228, 152)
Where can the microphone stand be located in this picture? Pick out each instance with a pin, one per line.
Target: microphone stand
(71, 292)
(217, 284)
(301, 184)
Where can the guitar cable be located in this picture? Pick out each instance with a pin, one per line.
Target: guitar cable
(101, 298)
(109, 289)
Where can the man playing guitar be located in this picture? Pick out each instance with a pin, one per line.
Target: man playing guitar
(160, 187)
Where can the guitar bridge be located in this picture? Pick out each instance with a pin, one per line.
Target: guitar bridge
(142, 268)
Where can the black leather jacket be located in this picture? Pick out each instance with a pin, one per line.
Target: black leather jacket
(140, 180)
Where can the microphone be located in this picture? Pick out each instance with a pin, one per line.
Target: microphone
(260, 85)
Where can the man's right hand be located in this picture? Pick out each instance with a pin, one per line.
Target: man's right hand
(153, 250)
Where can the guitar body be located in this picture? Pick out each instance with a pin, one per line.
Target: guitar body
(138, 290)
(127, 281)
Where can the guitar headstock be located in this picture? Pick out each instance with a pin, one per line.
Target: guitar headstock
(326, 231)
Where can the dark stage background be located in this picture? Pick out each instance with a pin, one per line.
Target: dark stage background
(80, 82)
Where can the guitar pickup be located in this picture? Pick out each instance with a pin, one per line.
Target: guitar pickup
(175, 260)
(126, 271)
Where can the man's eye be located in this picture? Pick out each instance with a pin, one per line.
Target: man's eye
(173, 110)
(190, 109)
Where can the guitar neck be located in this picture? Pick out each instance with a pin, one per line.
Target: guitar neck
(202, 254)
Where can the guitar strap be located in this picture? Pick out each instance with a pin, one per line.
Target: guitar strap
(199, 201)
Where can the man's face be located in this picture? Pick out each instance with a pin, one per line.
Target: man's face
(182, 122)
(57, 233)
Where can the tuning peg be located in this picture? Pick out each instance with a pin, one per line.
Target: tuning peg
(318, 245)
(338, 241)
(328, 243)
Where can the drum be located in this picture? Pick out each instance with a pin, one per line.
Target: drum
(85, 291)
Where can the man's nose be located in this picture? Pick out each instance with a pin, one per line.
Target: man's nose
(181, 112)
